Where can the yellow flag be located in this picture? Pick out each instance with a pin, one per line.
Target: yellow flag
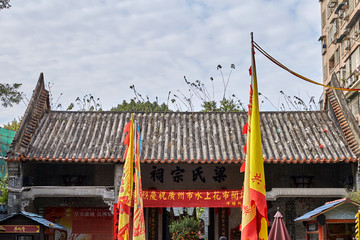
(254, 210)
(126, 187)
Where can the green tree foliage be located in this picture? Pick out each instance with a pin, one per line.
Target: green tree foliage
(4, 4)
(355, 196)
(86, 103)
(226, 105)
(141, 106)
(9, 94)
(4, 189)
(186, 227)
(138, 104)
(13, 125)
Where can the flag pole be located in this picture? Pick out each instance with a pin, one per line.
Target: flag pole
(253, 67)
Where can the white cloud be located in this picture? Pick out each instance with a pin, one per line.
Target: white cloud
(104, 46)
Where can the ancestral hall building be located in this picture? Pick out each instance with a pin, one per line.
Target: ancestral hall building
(66, 166)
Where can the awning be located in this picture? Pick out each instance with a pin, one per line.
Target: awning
(324, 208)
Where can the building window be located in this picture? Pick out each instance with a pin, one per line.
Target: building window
(357, 30)
(333, 32)
(354, 104)
(302, 181)
(325, 71)
(355, 62)
(344, 16)
(337, 57)
(340, 231)
(331, 64)
(346, 46)
(330, 7)
(323, 19)
(342, 76)
(351, 6)
(312, 231)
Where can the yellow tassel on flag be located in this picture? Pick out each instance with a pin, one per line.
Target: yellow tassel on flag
(139, 223)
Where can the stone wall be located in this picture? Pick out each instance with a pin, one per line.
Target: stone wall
(14, 187)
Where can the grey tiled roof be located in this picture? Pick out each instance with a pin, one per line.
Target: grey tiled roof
(186, 137)
(326, 207)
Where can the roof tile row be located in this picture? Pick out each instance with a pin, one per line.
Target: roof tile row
(287, 137)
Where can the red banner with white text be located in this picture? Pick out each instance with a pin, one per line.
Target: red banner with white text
(192, 198)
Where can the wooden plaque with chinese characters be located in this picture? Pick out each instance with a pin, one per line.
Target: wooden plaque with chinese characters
(224, 222)
(21, 229)
(153, 223)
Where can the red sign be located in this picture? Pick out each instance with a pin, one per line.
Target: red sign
(83, 223)
(21, 229)
(192, 198)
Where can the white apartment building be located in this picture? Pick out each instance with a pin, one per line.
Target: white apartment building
(340, 38)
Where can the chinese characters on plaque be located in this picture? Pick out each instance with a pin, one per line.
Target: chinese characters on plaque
(223, 222)
(197, 173)
(153, 223)
(21, 228)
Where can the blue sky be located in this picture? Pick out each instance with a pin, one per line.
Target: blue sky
(101, 47)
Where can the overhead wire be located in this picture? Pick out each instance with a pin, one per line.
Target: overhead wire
(262, 51)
